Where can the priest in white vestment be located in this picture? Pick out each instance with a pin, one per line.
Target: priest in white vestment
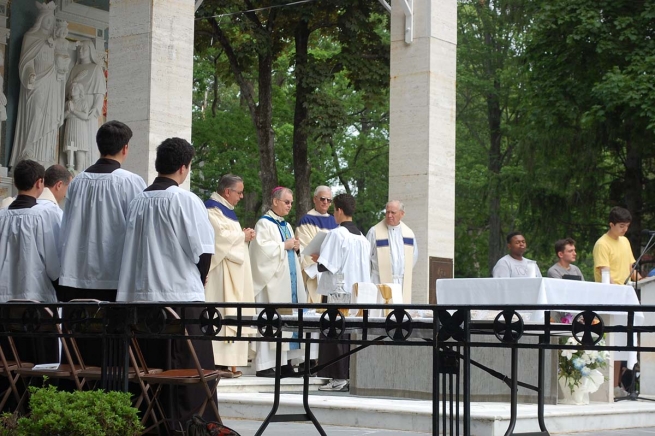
(93, 226)
(315, 221)
(276, 276)
(345, 251)
(230, 278)
(393, 250)
(169, 243)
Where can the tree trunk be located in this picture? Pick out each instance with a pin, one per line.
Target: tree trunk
(301, 167)
(633, 193)
(494, 167)
(264, 126)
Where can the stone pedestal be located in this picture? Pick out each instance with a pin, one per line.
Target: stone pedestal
(150, 74)
(422, 129)
(6, 184)
(407, 372)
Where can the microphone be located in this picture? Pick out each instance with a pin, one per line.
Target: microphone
(647, 232)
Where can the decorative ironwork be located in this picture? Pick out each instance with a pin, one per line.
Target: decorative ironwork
(450, 326)
(31, 319)
(398, 325)
(211, 321)
(508, 326)
(155, 320)
(269, 323)
(585, 325)
(332, 324)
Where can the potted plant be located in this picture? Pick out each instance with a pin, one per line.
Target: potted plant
(579, 373)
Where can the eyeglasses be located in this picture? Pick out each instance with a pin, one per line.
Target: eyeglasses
(287, 202)
(329, 200)
(240, 193)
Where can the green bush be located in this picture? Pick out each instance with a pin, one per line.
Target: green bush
(85, 413)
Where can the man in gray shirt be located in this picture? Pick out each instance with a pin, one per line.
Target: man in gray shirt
(565, 251)
(514, 264)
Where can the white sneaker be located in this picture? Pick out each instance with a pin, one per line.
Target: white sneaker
(335, 385)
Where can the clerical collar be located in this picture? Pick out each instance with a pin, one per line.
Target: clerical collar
(161, 184)
(104, 165)
(219, 198)
(275, 216)
(23, 202)
(351, 227)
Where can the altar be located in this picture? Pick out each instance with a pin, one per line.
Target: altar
(383, 371)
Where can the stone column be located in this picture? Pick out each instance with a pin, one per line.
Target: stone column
(422, 129)
(150, 74)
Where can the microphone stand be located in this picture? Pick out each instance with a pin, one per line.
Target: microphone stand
(631, 389)
(649, 245)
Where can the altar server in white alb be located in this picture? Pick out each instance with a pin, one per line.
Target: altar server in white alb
(169, 243)
(57, 179)
(230, 278)
(29, 263)
(169, 240)
(315, 221)
(276, 275)
(345, 251)
(393, 250)
(93, 226)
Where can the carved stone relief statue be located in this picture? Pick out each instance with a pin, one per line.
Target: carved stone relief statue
(85, 94)
(41, 100)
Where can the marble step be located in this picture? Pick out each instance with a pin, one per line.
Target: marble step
(252, 384)
(487, 419)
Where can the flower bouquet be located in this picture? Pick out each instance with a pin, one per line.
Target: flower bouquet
(579, 371)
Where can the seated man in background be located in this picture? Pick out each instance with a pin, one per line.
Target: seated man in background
(514, 264)
(565, 251)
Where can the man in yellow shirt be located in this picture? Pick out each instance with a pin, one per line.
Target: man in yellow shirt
(612, 250)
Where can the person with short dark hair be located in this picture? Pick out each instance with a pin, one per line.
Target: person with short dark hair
(612, 250)
(169, 243)
(344, 260)
(57, 179)
(30, 262)
(565, 252)
(94, 222)
(514, 264)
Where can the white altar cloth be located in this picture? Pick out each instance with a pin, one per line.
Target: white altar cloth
(543, 290)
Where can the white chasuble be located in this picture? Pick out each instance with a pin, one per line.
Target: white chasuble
(393, 255)
(230, 278)
(310, 225)
(166, 233)
(347, 253)
(272, 279)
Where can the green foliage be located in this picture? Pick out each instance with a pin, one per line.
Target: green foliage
(77, 413)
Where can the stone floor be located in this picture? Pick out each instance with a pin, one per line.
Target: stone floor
(248, 428)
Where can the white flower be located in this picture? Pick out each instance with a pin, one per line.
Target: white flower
(568, 353)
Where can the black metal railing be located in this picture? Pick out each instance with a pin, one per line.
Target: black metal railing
(447, 330)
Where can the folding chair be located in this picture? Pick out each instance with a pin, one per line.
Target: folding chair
(170, 323)
(8, 369)
(43, 320)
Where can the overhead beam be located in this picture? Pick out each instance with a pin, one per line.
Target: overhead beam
(198, 3)
(386, 5)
